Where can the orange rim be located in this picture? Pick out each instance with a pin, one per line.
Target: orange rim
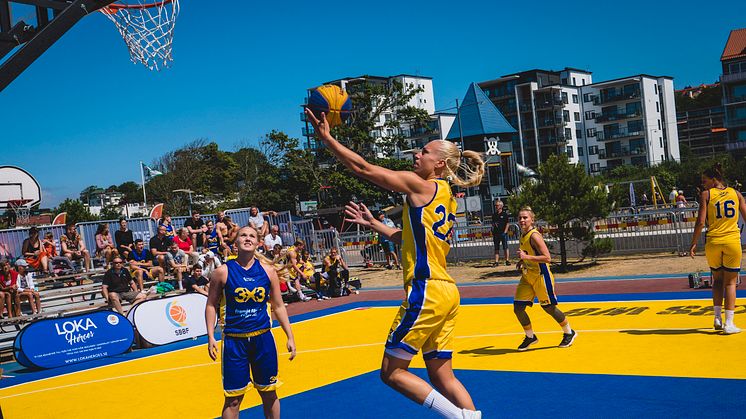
(115, 7)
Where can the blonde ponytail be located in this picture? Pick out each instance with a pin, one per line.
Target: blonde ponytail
(463, 168)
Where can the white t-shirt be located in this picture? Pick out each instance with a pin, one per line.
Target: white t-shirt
(25, 282)
(258, 221)
(271, 242)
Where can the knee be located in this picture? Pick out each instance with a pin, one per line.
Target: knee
(519, 308)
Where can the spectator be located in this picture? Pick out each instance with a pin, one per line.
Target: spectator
(219, 217)
(228, 230)
(159, 247)
(293, 265)
(176, 263)
(25, 288)
(72, 246)
(233, 254)
(256, 220)
(644, 200)
(389, 248)
(184, 242)
(118, 285)
(209, 262)
(680, 200)
(142, 266)
(196, 227)
(214, 238)
(272, 239)
(319, 282)
(8, 281)
(196, 282)
(277, 256)
(124, 239)
(104, 244)
(49, 247)
(672, 196)
(336, 272)
(166, 221)
(500, 220)
(33, 251)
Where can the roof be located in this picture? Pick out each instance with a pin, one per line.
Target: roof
(735, 47)
(479, 116)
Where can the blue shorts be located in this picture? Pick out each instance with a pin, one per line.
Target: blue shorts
(500, 239)
(388, 246)
(257, 354)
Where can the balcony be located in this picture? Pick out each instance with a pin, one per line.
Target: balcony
(621, 152)
(734, 77)
(618, 116)
(302, 117)
(308, 132)
(551, 122)
(616, 96)
(617, 135)
(552, 140)
(525, 107)
(732, 100)
(547, 103)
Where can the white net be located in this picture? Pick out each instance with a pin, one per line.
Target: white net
(147, 29)
(22, 212)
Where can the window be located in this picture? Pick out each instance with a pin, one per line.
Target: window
(570, 153)
(660, 139)
(659, 124)
(563, 81)
(583, 80)
(566, 116)
(655, 88)
(388, 117)
(590, 132)
(577, 116)
(574, 98)
(634, 126)
(590, 115)
(579, 134)
(595, 167)
(587, 97)
(657, 107)
(564, 97)
(568, 133)
(580, 151)
(574, 83)
(593, 150)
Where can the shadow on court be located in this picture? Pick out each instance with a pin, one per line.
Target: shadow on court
(491, 350)
(671, 332)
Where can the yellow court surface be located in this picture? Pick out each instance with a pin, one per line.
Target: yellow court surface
(671, 338)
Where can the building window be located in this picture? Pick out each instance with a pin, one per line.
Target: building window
(583, 80)
(577, 115)
(574, 83)
(563, 81)
(568, 133)
(564, 98)
(580, 151)
(655, 88)
(566, 116)
(590, 115)
(587, 97)
(590, 132)
(657, 107)
(593, 150)
(578, 133)
(660, 139)
(659, 124)
(574, 98)
(634, 126)
(570, 153)
(595, 167)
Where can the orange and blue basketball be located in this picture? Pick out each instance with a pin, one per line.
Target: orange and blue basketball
(331, 100)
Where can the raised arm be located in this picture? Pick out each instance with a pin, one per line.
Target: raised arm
(704, 198)
(360, 214)
(278, 307)
(217, 282)
(400, 181)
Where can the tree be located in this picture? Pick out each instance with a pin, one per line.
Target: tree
(110, 213)
(76, 211)
(131, 190)
(565, 196)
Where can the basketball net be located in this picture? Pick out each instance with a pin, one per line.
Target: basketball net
(147, 29)
(21, 210)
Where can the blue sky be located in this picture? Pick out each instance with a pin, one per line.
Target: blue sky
(83, 114)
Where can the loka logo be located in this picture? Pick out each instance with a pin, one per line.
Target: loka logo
(76, 331)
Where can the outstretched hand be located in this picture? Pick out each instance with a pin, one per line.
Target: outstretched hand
(358, 214)
(320, 126)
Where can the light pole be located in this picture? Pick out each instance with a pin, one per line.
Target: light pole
(190, 192)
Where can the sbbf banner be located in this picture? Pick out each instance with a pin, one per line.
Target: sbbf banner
(53, 343)
(170, 319)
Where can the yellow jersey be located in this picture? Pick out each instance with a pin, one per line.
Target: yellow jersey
(426, 236)
(529, 266)
(722, 215)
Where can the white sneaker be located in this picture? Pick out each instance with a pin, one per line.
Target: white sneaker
(731, 330)
(471, 414)
(718, 324)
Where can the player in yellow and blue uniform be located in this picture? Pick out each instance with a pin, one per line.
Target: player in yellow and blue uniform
(537, 282)
(244, 288)
(427, 316)
(720, 206)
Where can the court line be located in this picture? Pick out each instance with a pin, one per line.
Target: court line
(335, 348)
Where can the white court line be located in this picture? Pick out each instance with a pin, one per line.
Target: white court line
(362, 345)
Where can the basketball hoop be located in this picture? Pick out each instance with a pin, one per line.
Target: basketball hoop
(22, 211)
(147, 29)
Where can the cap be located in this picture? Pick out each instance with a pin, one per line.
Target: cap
(21, 262)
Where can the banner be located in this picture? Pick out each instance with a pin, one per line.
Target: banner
(170, 319)
(52, 343)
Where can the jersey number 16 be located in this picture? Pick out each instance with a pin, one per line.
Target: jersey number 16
(729, 209)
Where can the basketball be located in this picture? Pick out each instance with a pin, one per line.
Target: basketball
(178, 314)
(331, 100)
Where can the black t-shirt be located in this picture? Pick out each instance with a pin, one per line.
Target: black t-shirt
(117, 281)
(195, 225)
(499, 221)
(123, 238)
(191, 280)
(160, 244)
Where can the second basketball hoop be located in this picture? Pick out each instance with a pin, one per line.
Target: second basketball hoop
(147, 29)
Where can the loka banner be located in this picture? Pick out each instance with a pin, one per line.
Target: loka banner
(53, 343)
(170, 319)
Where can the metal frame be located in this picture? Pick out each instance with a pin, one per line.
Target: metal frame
(35, 40)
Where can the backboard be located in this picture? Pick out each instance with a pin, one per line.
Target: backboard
(17, 184)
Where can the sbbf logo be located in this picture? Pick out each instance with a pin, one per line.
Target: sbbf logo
(176, 314)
